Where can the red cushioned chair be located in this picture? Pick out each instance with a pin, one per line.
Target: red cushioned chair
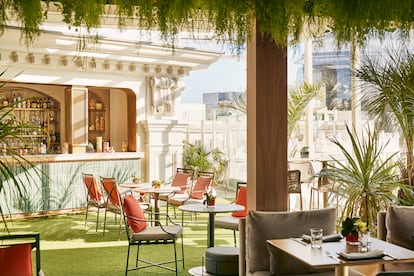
(232, 222)
(182, 179)
(16, 254)
(141, 231)
(197, 191)
(94, 197)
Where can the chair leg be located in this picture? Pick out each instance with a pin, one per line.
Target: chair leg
(104, 223)
(175, 257)
(300, 198)
(86, 215)
(182, 249)
(127, 262)
(235, 240)
(310, 198)
(97, 220)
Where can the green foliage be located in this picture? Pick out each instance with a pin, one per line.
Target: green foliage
(232, 21)
(299, 98)
(199, 159)
(364, 182)
(389, 96)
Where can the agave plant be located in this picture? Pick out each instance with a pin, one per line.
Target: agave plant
(364, 182)
(388, 83)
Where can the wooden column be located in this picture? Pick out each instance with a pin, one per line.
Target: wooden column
(266, 124)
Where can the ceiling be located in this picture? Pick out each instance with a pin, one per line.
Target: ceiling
(63, 55)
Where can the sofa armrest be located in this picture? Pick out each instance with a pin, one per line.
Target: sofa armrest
(242, 246)
(381, 228)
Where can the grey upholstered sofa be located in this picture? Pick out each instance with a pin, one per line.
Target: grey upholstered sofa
(255, 259)
(396, 225)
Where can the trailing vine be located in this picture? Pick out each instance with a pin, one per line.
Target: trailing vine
(285, 21)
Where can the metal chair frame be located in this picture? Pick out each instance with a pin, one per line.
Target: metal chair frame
(171, 240)
(33, 239)
(89, 180)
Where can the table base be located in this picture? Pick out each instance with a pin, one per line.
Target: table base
(198, 271)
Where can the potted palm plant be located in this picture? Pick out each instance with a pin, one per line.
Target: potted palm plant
(364, 182)
(13, 166)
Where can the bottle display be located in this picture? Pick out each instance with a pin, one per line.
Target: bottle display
(98, 127)
(37, 115)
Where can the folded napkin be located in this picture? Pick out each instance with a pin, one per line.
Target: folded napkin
(362, 255)
(327, 238)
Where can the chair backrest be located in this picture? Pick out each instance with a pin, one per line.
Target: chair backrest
(307, 173)
(182, 179)
(293, 182)
(241, 199)
(111, 190)
(92, 186)
(16, 254)
(203, 182)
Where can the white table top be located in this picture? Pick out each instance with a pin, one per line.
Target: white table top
(218, 208)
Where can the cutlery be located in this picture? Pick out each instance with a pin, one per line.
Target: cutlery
(299, 241)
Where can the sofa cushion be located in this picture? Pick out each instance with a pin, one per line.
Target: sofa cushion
(261, 226)
(241, 200)
(134, 213)
(400, 231)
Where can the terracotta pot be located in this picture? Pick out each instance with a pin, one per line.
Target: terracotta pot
(211, 202)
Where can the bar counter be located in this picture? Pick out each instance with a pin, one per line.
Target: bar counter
(60, 184)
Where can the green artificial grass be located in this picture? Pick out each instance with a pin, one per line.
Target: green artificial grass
(68, 247)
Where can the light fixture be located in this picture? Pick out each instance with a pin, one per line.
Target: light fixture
(78, 61)
(132, 67)
(119, 66)
(92, 63)
(63, 60)
(158, 69)
(106, 65)
(30, 58)
(145, 68)
(13, 56)
(46, 59)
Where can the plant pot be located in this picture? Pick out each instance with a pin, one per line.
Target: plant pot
(352, 239)
(211, 202)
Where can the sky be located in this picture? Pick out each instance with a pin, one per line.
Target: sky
(225, 75)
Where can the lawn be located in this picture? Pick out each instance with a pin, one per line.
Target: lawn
(68, 247)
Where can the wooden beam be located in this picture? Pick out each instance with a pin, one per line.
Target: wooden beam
(266, 124)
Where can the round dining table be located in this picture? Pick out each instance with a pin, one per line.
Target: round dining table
(212, 211)
(147, 188)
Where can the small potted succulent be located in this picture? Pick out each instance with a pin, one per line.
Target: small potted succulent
(136, 179)
(156, 184)
(210, 197)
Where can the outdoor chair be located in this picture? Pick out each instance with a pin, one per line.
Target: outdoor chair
(232, 222)
(182, 179)
(307, 172)
(294, 185)
(139, 233)
(324, 184)
(16, 254)
(196, 194)
(94, 197)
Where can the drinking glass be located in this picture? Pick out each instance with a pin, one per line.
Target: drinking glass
(364, 241)
(316, 237)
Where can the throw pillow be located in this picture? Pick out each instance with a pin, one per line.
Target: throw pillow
(241, 200)
(133, 210)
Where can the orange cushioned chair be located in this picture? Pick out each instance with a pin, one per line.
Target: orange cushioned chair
(196, 195)
(141, 231)
(232, 222)
(94, 197)
(16, 254)
(182, 180)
